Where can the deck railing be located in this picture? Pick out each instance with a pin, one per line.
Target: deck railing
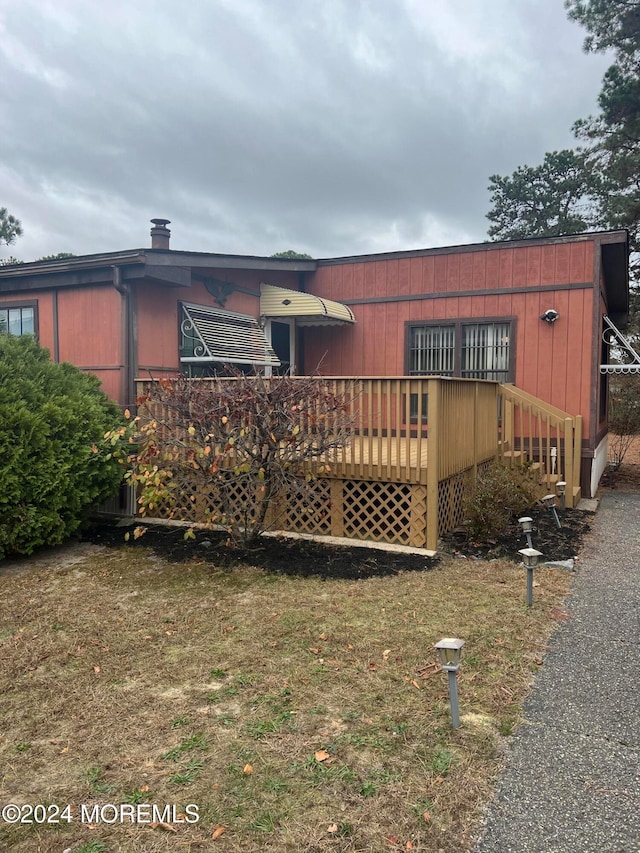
(537, 433)
(421, 441)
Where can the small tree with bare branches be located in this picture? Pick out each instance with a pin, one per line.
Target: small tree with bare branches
(242, 442)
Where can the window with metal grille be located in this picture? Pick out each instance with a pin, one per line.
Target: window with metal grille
(485, 351)
(432, 350)
(461, 348)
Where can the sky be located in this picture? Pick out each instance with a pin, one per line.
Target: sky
(332, 127)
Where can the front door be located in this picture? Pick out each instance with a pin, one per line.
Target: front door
(282, 339)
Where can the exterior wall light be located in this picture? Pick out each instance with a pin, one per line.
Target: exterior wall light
(561, 489)
(530, 559)
(549, 501)
(527, 528)
(450, 651)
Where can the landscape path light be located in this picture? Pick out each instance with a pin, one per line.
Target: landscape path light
(449, 651)
(530, 559)
(527, 527)
(561, 489)
(550, 502)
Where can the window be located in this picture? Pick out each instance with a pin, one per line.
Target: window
(215, 341)
(467, 349)
(18, 320)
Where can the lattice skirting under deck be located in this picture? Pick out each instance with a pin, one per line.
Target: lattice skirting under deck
(358, 509)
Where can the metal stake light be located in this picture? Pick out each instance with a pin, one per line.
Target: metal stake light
(550, 502)
(561, 489)
(530, 559)
(527, 527)
(449, 651)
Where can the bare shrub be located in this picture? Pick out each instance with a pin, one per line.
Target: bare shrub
(242, 440)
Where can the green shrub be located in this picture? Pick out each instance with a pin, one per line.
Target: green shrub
(499, 494)
(53, 464)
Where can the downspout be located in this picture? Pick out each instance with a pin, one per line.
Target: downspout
(302, 287)
(56, 326)
(127, 392)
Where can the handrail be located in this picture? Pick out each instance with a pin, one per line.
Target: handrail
(511, 391)
(537, 432)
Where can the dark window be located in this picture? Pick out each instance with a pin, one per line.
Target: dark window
(19, 320)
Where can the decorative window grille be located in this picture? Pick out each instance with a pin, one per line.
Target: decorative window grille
(485, 351)
(18, 321)
(432, 350)
(469, 350)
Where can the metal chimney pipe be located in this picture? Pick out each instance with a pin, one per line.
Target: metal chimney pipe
(160, 234)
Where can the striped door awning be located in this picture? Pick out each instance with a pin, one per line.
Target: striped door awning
(308, 310)
(225, 336)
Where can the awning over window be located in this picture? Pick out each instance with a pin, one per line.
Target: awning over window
(308, 310)
(209, 334)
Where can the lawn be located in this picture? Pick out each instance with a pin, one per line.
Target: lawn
(295, 713)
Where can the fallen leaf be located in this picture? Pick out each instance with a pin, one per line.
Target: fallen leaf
(392, 839)
(96, 669)
(372, 665)
(217, 832)
(247, 770)
(166, 826)
(332, 828)
(426, 816)
(386, 653)
(409, 846)
(315, 651)
(321, 755)
(322, 636)
(144, 789)
(415, 684)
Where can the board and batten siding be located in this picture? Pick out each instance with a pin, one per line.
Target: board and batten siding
(157, 311)
(553, 362)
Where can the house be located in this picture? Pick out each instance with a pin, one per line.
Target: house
(529, 312)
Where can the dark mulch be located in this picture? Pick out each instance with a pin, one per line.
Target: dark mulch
(305, 558)
(280, 555)
(555, 544)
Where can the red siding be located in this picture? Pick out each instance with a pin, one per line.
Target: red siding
(157, 311)
(551, 361)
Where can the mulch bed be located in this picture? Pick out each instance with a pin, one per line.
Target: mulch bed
(555, 544)
(280, 555)
(305, 558)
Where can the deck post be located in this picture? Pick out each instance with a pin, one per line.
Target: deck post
(577, 453)
(569, 470)
(336, 503)
(433, 466)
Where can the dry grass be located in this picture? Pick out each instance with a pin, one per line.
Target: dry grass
(128, 679)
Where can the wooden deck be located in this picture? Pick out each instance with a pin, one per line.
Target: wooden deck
(389, 459)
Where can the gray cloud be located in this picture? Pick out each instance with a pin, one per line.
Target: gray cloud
(331, 126)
